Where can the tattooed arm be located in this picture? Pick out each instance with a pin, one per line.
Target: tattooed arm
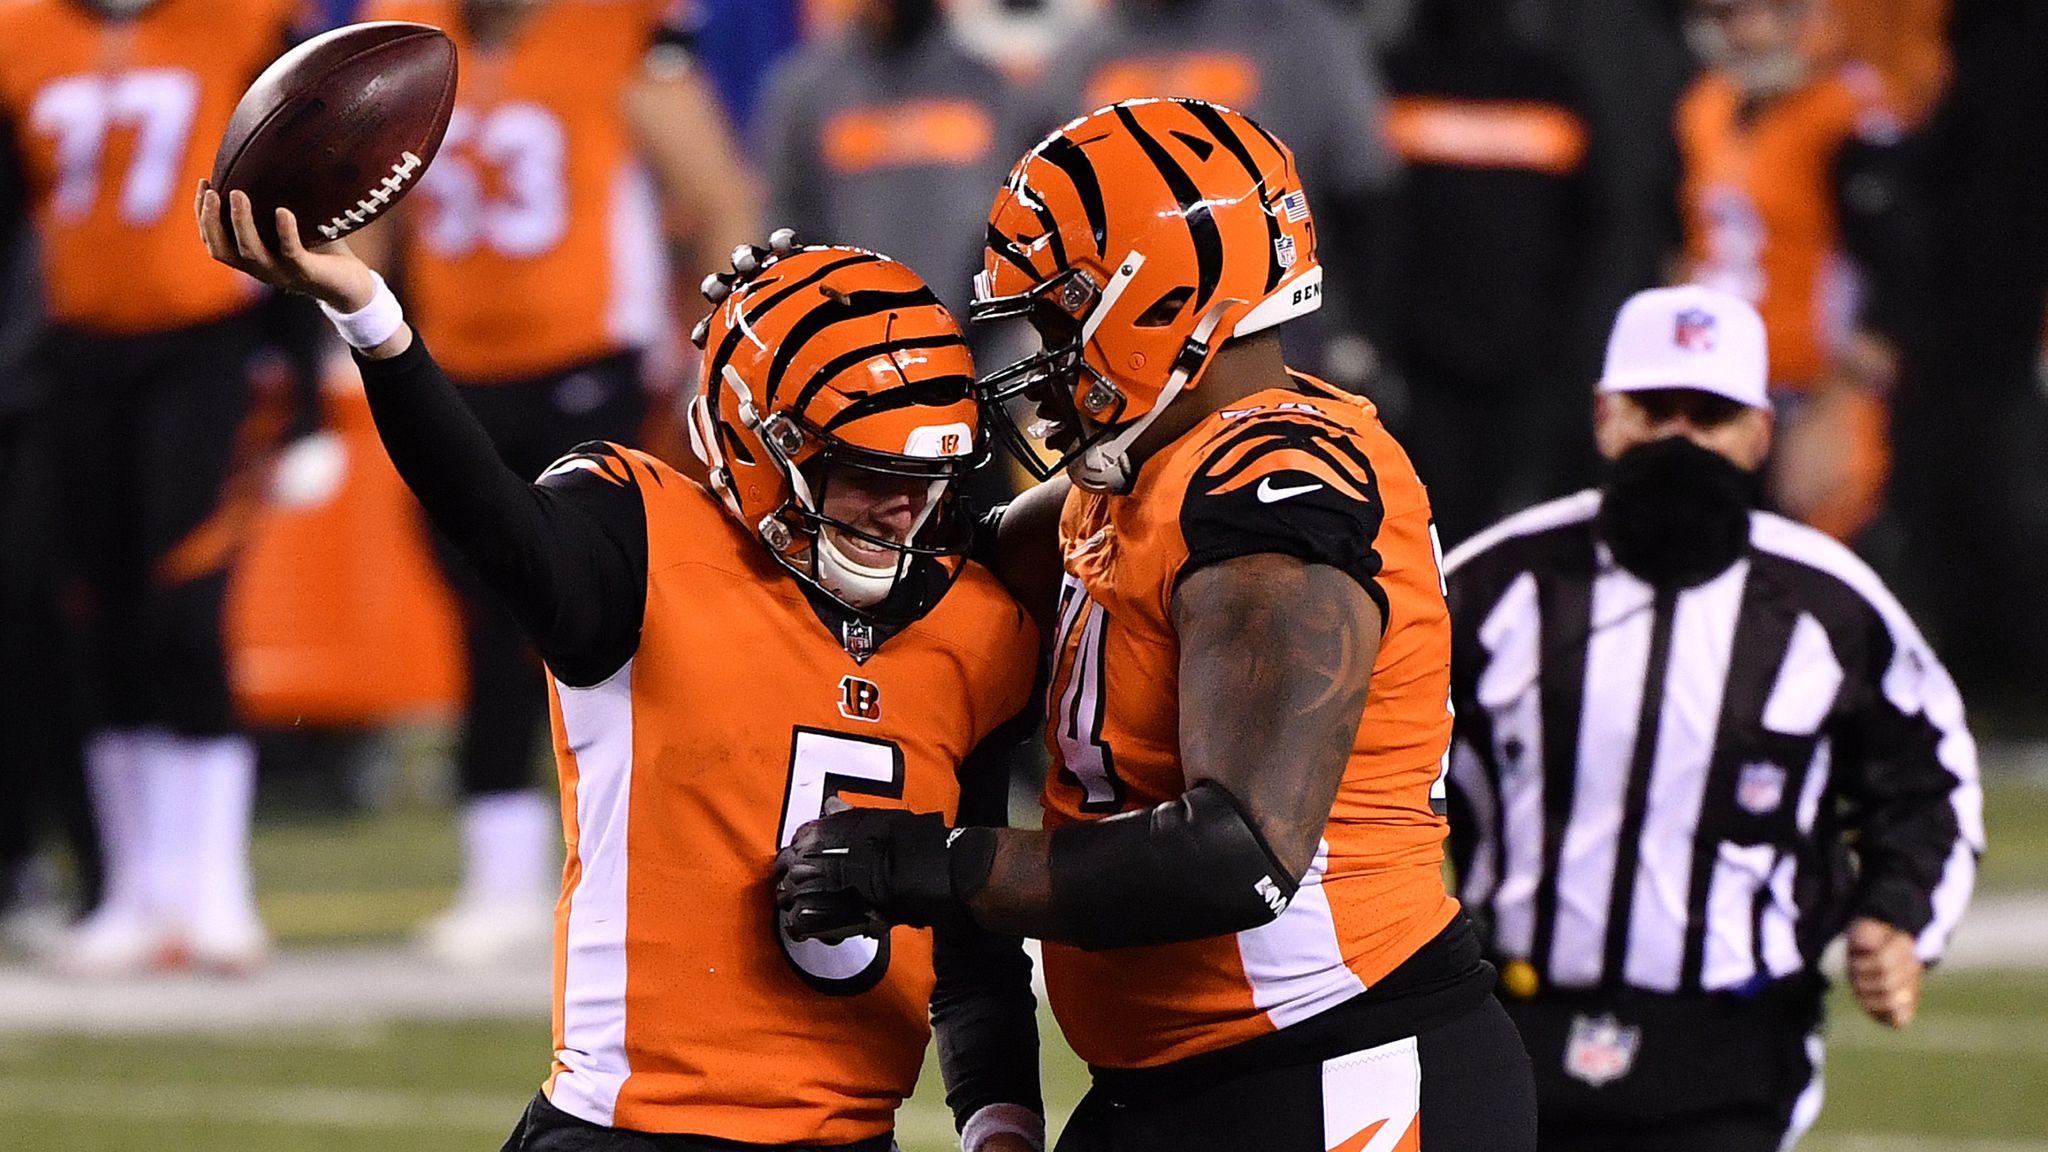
(1276, 656)
(1275, 659)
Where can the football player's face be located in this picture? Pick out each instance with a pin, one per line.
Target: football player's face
(877, 504)
(1741, 434)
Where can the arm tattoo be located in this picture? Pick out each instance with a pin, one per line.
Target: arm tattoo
(1276, 657)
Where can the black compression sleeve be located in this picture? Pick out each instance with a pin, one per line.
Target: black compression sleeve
(1183, 870)
(570, 560)
(983, 1011)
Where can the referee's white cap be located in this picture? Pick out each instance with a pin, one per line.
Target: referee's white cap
(1691, 336)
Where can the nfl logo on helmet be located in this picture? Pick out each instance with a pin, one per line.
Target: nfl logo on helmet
(1694, 330)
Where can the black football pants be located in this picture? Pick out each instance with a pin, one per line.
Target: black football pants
(157, 475)
(1475, 1095)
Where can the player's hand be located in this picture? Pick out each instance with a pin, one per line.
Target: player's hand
(857, 871)
(1884, 971)
(329, 273)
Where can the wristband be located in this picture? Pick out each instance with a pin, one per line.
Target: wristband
(1002, 1119)
(373, 323)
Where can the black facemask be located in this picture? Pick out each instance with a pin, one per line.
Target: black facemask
(1675, 513)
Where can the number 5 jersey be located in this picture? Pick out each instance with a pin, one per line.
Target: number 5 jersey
(702, 735)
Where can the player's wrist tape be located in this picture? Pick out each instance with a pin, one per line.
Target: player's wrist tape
(1003, 1120)
(1187, 869)
(373, 323)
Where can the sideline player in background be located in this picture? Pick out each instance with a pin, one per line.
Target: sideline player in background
(114, 107)
(533, 258)
(1240, 882)
(724, 663)
(1695, 744)
(1798, 198)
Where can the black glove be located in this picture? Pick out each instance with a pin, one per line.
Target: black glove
(858, 871)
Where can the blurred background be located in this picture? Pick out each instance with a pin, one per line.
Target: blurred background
(1490, 177)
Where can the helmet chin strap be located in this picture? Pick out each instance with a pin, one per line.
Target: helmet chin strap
(858, 584)
(1106, 466)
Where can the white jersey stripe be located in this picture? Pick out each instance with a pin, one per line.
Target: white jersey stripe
(1616, 655)
(1513, 637)
(598, 722)
(1702, 640)
(1807, 683)
(1739, 871)
(1295, 965)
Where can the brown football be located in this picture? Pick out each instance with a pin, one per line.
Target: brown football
(339, 128)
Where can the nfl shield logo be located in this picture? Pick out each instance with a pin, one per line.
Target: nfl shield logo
(1601, 1048)
(1284, 251)
(1760, 788)
(1694, 331)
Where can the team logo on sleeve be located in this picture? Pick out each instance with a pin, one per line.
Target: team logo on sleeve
(860, 699)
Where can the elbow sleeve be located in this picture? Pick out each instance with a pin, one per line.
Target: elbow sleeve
(1190, 868)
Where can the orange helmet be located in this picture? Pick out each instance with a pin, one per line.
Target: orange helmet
(1136, 240)
(831, 366)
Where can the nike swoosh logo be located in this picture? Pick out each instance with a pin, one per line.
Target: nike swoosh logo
(1271, 495)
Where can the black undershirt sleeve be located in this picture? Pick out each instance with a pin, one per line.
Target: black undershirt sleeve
(568, 554)
(983, 1011)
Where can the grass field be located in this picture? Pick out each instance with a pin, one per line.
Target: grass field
(1970, 1076)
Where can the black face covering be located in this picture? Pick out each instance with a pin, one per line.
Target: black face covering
(1675, 513)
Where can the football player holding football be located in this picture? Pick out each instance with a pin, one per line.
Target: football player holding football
(583, 131)
(726, 661)
(1239, 881)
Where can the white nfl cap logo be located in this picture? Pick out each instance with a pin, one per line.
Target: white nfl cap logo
(1691, 336)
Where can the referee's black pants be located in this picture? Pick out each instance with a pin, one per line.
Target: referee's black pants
(1624, 1070)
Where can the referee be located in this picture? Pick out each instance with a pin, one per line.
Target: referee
(1695, 743)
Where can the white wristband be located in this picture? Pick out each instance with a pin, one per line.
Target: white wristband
(373, 323)
(1003, 1119)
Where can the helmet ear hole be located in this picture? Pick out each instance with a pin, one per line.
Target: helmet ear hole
(1166, 309)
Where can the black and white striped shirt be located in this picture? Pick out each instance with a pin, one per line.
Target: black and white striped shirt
(1695, 790)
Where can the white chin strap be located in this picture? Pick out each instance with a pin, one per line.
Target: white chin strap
(1105, 466)
(857, 584)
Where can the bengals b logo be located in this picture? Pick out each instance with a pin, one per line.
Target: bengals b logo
(860, 699)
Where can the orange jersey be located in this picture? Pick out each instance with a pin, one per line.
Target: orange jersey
(117, 122)
(1310, 473)
(535, 240)
(678, 1007)
(1760, 208)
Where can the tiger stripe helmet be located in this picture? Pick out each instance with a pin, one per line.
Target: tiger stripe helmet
(1137, 240)
(821, 364)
